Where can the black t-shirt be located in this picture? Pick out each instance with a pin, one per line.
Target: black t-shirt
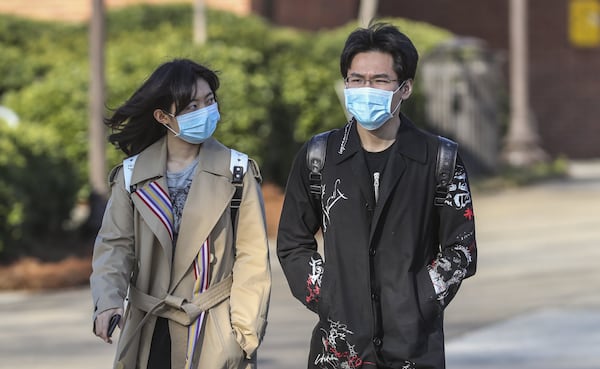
(376, 163)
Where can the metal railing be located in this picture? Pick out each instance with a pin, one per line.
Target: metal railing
(462, 86)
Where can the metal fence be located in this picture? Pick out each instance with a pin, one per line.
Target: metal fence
(462, 86)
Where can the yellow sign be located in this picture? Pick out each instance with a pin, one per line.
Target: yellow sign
(584, 23)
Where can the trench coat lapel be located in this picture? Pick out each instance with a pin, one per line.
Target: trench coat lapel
(151, 195)
(209, 196)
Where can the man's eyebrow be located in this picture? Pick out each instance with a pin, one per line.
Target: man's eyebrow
(378, 75)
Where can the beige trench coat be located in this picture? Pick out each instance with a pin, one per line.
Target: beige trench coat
(134, 244)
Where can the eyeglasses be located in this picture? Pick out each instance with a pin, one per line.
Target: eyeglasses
(379, 82)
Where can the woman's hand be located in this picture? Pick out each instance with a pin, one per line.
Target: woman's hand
(102, 321)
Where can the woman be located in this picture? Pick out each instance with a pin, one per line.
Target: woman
(197, 287)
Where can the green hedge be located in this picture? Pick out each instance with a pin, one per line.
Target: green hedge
(278, 86)
(38, 188)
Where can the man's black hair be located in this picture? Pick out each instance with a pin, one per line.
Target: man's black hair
(385, 38)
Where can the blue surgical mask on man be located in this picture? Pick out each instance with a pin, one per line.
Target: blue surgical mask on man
(371, 107)
(197, 126)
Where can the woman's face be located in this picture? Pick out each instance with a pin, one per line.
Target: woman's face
(203, 98)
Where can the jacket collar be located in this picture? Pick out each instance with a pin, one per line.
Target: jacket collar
(411, 144)
(410, 141)
(151, 163)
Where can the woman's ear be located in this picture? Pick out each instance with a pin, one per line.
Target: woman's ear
(162, 117)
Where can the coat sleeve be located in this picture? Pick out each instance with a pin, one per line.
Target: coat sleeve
(296, 244)
(457, 258)
(251, 289)
(113, 256)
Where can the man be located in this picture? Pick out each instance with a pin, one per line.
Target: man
(393, 260)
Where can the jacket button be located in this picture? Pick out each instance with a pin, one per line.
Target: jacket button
(372, 251)
(374, 297)
(377, 341)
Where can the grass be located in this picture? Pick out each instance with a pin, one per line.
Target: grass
(510, 177)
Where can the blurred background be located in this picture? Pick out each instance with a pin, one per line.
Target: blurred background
(515, 82)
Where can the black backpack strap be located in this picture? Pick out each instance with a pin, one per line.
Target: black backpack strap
(315, 160)
(444, 170)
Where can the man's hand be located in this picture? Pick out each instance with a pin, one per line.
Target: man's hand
(102, 321)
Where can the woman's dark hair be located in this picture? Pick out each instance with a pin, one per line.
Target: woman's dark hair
(385, 38)
(133, 125)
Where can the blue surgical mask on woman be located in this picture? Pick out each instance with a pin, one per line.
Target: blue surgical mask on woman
(371, 107)
(197, 126)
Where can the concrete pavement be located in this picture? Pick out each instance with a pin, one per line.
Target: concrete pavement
(534, 302)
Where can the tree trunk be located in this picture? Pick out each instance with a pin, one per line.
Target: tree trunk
(200, 35)
(96, 130)
(367, 11)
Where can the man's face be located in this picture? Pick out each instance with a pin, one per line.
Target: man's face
(376, 69)
(372, 69)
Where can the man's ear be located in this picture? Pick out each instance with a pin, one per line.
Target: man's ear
(406, 90)
(161, 117)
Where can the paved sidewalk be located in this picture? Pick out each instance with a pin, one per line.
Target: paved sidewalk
(544, 339)
(534, 302)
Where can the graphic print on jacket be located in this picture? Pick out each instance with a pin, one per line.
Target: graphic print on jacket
(448, 271)
(313, 283)
(458, 195)
(328, 203)
(338, 352)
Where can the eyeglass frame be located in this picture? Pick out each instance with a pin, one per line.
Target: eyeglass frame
(383, 81)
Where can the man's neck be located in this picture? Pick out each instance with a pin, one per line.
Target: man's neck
(381, 138)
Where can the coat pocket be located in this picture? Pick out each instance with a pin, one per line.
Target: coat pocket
(429, 306)
(220, 349)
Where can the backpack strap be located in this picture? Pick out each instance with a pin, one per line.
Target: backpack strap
(444, 169)
(128, 165)
(315, 160)
(238, 165)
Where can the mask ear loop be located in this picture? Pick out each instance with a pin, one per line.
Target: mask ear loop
(167, 124)
(399, 102)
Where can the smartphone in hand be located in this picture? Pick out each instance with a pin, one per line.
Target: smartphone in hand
(112, 324)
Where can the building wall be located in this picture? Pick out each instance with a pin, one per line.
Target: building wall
(565, 84)
(307, 14)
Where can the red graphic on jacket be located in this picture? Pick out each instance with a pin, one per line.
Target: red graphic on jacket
(313, 283)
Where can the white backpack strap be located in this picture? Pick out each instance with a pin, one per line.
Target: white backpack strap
(128, 165)
(238, 159)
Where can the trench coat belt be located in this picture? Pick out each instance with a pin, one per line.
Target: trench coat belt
(176, 308)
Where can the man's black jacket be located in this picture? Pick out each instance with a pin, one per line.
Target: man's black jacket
(389, 268)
